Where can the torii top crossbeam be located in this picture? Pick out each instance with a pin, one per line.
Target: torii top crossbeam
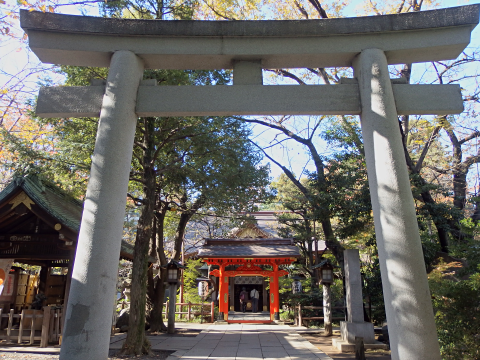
(405, 38)
(247, 47)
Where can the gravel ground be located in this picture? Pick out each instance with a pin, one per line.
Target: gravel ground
(4, 355)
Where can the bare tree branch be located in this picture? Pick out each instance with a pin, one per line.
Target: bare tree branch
(301, 9)
(470, 137)
(434, 134)
(288, 74)
(319, 9)
(287, 172)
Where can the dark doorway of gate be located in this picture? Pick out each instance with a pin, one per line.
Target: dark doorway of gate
(248, 288)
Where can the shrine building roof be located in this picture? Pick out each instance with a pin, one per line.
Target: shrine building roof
(43, 199)
(252, 248)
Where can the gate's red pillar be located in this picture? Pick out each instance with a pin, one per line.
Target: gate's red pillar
(276, 300)
(223, 298)
(272, 297)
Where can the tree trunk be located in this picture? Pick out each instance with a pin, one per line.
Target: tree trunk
(157, 295)
(327, 310)
(182, 225)
(156, 314)
(359, 348)
(332, 243)
(136, 343)
(459, 187)
(442, 227)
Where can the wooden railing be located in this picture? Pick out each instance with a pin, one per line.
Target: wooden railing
(205, 309)
(46, 325)
(48, 322)
(300, 319)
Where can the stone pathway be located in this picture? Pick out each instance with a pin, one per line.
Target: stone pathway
(231, 342)
(244, 342)
(165, 341)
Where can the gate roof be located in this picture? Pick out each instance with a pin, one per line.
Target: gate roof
(249, 248)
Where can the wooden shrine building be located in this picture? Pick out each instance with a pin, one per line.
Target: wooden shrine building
(39, 225)
(248, 260)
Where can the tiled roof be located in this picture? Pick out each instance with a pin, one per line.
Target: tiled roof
(62, 206)
(58, 203)
(255, 248)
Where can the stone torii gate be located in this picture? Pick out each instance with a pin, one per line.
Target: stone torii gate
(367, 44)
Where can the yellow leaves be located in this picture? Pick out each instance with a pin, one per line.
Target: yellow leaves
(26, 131)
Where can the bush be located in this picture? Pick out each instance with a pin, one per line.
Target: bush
(190, 284)
(457, 313)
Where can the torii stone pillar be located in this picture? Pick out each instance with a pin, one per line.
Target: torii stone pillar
(405, 288)
(87, 334)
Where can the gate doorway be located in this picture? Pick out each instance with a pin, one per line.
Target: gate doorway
(235, 302)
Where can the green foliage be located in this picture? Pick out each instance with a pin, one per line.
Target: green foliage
(312, 297)
(190, 285)
(347, 194)
(468, 249)
(457, 305)
(455, 290)
(373, 283)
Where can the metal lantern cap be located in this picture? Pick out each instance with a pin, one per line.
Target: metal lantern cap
(172, 271)
(326, 271)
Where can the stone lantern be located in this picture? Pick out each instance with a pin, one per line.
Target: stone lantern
(173, 275)
(326, 279)
(326, 273)
(173, 271)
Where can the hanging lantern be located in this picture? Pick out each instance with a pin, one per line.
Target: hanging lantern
(296, 287)
(202, 288)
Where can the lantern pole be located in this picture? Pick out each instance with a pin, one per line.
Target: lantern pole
(172, 307)
(326, 279)
(173, 268)
(181, 279)
(201, 310)
(327, 310)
